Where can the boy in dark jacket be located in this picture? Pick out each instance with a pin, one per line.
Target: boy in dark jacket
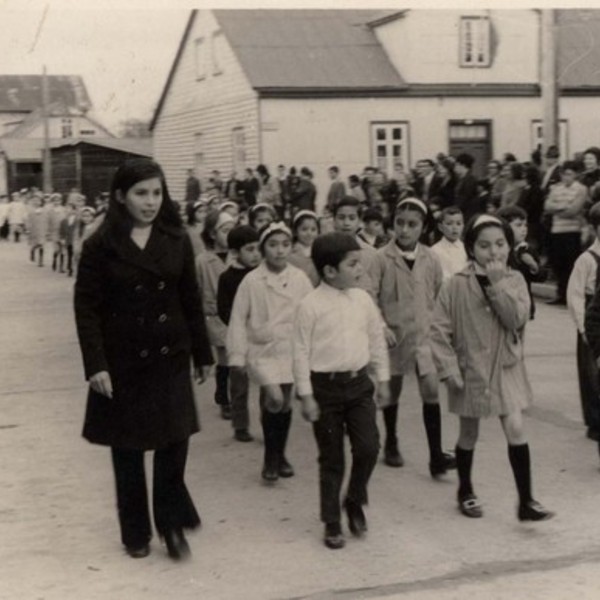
(243, 246)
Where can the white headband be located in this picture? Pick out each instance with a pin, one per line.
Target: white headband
(416, 201)
(224, 217)
(482, 219)
(226, 205)
(304, 213)
(271, 229)
(261, 205)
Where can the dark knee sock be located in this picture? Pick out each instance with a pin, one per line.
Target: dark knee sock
(269, 422)
(390, 418)
(222, 381)
(464, 464)
(432, 418)
(521, 466)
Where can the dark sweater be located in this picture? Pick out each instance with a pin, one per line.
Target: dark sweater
(229, 282)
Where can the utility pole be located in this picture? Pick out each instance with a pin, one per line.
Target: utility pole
(549, 82)
(46, 158)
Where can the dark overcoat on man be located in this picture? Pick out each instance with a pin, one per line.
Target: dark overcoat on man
(139, 317)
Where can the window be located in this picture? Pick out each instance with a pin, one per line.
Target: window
(537, 136)
(87, 132)
(198, 152)
(389, 145)
(200, 58)
(238, 143)
(67, 128)
(216, 52)
(475, 41)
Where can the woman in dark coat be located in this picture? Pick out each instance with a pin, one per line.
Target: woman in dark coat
(139, 321)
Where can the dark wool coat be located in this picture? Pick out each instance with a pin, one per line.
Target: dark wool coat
(139, 317)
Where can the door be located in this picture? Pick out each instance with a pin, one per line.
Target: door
(474, 138)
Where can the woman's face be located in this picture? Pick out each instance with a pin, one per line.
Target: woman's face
(307, 232)
(491, 244)
(143, 200)
(276, 251)
(590, 161)
(221, 235)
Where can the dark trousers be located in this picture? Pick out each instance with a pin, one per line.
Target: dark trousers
(69, 248)
(345, 406)
(589, 384)
(172, 505)
(563, 252)
(238, 394)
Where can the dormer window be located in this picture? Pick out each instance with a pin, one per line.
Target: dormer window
(475, 41)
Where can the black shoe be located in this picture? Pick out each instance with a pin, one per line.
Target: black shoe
(177, 545)
(270, 471)
(534, 511)
(285, 469)
(138, 551)
(242, 435)
(444, 463)
(557, 302)
(333, 538)
(470, 506)
(593, 434)
(226, 412)
(357, 522)
(392, 456)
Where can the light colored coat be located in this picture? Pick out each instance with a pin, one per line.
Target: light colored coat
(269, 192)
(56, 214)
(481, 339)
(209, 268)
(37, 226)
(299, 259)
(407, 299)
(260, 329)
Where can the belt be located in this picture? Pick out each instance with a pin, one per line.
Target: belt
(338, 376)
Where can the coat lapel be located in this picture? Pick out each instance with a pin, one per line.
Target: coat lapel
(148, 258)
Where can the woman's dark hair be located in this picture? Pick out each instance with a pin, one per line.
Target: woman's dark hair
(207, 235)
(330, 249)
(516, 170)
(263, 172)
(472, 231)
(133, 171)
(296, 225)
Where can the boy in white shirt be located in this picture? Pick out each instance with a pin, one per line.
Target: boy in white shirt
(337, 334)
(450, 249)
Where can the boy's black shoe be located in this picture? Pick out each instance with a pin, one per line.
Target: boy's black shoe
(138, 551)
(534, 511)
(177, 545)
(357, 522)
(470, 506)
(391, 454)
(444, 463)
(285, 469)
(557, 302)
(242, 435)
(226, 412)
(333, 538)
(593, 434)
(270, 470)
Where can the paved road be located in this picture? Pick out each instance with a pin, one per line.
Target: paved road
(58, 532)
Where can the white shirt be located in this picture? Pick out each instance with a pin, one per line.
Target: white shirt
(337, 330)
(452, 255)
(582, 283)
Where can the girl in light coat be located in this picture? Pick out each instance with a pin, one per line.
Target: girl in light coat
(209, 267)
(259, 337)
(305, 227)
(476, 339)
(407, 277)
(37, 228)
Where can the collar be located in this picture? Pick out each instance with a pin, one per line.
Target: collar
(408, 254)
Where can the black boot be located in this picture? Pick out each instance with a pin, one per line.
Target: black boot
(391, 452)
(270, 471)
(221, 390)
(54, 258)
(41, 257)
(439, 462)
(468, 502)
(284, 421)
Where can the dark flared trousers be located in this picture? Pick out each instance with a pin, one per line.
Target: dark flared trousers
(589, 384)
(172, 505)
(344, 407)
(563, 252)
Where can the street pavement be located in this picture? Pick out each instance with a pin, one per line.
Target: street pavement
(59, 538)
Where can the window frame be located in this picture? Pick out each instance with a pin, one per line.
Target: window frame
(462, 42)
(200, 58)
(405, 144)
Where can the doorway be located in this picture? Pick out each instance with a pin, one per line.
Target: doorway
(474, 138)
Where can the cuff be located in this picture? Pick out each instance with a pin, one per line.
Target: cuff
(236, 360)
(304, 388)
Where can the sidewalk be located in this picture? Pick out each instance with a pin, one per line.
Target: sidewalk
(58, 525)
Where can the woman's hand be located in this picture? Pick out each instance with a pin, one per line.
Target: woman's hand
(310, 408)
(454, 383)
(101, 382)
(384, 396)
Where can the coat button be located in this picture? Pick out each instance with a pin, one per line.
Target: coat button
(138, 288)
(144, 353)
(161, 285)
(164, 350)
(162, 318)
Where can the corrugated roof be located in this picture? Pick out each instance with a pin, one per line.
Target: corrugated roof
(308, 48)
(578, 48)
(23, 93)
(30, 149)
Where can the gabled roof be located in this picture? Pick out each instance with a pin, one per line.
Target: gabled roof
(30, 149)
(323, 49)
(23, 93)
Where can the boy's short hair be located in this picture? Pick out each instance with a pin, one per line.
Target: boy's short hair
(330, 249)
(479, 222)
(512, 213)
(466, 160)
(372, 214)
(450, 211)
(346, 201)
(241, 235)
(594, 215)
(569, 165)
(334, 168)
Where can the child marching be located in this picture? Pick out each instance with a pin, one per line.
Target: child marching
(305, 229)
(477, 348)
